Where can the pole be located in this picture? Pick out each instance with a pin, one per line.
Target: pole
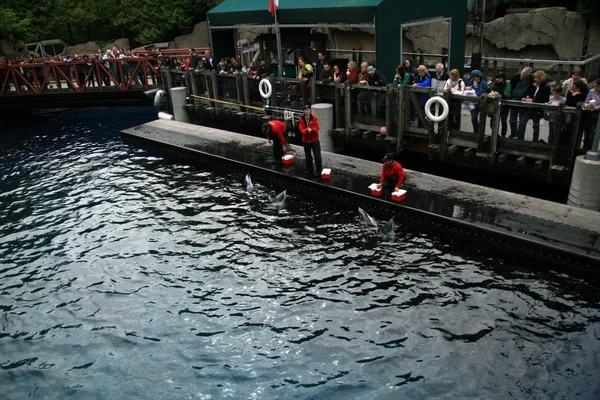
(279, 51)
(593, 154)
(481, 31)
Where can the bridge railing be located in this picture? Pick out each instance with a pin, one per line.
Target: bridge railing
(78, 76)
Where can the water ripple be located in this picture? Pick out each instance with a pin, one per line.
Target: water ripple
(125, 272)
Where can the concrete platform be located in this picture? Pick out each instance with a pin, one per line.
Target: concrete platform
(546, 233)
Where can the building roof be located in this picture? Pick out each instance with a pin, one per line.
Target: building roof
(235, 12)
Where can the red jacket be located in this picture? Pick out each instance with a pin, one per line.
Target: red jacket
(277, 130)
(353, 78)
(313, 124)
(395, 169)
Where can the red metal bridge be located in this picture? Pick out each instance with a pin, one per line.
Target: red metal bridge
(78, 83)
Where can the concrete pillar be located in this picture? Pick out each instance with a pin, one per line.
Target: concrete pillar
(324, 111)
(585, 190)
(178, 96)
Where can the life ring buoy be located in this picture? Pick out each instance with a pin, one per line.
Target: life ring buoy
(265, 88)
(445, 109)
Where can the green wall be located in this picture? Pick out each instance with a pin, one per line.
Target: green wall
(391, 13)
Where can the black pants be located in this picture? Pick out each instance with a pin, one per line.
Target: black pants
(454, 115)
(278, 148)
(315, 147)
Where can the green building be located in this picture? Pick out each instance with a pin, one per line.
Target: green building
(386, 17)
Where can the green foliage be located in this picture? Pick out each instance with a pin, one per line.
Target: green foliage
(14, 28)
(76, 21)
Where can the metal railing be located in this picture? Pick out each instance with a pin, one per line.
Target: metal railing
(361, 111)
(78, 76)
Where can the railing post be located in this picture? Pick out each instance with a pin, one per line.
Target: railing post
(389, 101)
(215, 88)
(348, 111)
(338, 107)
(483, 102)
(313, 90)
(246, 89)
(495, 131)
(401, 107)
(169, 79)
(559, 73)
(486, 65)
(238, 88)
(194, 82)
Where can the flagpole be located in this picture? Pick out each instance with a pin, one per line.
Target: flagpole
(279, 50)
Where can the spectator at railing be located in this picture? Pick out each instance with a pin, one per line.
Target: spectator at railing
(320, 64)
(577, 76)
(305, 73)
(352, 73)
(550, 115)
(402, 77)
(326, 76)
(577, 94)
(194, 59)
(376, 78)
(439, 78)
(455, 86)
(538, 93)
(338, 77)
(478, 85)
(520, 84)
(500, 88)
(423, 79)
(256, 70)
(209, 62)
(591, 105)
(411, 69)
(223, 67)
(105, 76)
(364, 97)
(362, 76)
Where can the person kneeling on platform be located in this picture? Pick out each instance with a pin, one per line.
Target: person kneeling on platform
(392, 174)
(309, 127)
(277, 131)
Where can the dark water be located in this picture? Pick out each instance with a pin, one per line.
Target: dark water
(127, 275)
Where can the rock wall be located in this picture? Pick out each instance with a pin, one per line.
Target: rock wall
(92, 47)
(198, 37)
(563, 30)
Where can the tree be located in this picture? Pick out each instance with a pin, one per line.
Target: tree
(14, 28)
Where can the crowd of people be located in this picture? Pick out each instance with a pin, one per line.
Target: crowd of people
(527, 87)
(79, 68)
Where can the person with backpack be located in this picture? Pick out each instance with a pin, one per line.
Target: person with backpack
(456, 86)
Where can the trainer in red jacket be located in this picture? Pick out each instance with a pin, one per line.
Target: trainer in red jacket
(277, 131)
(309, 127)
(392, 174)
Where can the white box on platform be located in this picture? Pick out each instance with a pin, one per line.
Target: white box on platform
(375, 191)
(326, 173)
(399, 195)
(287, 159)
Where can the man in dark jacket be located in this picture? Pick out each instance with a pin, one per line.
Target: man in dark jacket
(376, 78)
(519, 85)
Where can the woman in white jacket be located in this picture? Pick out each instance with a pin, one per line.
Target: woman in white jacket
(454, 85)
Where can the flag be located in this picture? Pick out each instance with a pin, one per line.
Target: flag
(273, 5)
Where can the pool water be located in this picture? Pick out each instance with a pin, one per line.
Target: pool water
(126, 274)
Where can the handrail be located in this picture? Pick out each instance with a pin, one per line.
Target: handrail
(531, 60)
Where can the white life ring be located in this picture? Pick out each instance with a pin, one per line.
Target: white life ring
(445, 109)
(265, 88)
